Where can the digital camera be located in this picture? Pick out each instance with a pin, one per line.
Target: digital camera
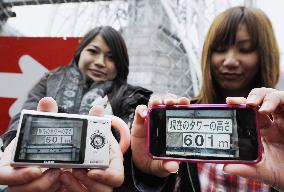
(60, 140)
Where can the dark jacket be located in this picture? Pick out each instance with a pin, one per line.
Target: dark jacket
(50, 85)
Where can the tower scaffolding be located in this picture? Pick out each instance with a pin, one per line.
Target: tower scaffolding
(164, 37)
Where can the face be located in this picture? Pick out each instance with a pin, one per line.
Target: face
(235, 67)
(96, 60)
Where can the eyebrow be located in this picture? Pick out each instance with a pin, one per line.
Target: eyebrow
(94, 46)
(244, 41)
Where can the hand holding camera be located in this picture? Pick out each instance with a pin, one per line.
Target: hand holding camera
(166, 162)
(57, 140)
(217, 133)
(30, 178)
(139, 143)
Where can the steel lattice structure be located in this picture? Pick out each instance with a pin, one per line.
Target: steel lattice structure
(164, 37)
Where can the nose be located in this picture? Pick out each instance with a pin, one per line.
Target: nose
(231, 58)
(99, 60)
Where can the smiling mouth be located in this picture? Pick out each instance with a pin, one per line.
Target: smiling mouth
(231, 76)
(97, 72)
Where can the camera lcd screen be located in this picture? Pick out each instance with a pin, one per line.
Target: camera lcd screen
(51, 139)
(203, 133)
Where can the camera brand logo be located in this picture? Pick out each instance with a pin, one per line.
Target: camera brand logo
(98, 140)
(49, 162)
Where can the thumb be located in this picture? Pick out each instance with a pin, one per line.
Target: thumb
(139, 123)
(164, 168)
(47, 104)
(97, 110)
(12, 176)
(235, 100)
(241, 170)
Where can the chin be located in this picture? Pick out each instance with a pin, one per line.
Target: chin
(96, 78)
(231, 87)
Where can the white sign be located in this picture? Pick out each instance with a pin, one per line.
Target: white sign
(200, 125)
(57, 139)
(55, 131)
(210, 141)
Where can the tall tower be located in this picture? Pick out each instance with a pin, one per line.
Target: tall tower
(158, 59)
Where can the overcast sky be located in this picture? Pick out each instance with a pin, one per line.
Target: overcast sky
(274, 10)
(41, 27)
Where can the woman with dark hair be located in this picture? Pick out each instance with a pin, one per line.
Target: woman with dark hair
(240, 53)
(97, 75)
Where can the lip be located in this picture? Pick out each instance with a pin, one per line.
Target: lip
(96, 72)
(231, 76)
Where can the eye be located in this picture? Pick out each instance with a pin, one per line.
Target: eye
(110, 56)
(246, 49)
(92, 51)
(220, 49)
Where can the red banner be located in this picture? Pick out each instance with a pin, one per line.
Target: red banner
(23, 61)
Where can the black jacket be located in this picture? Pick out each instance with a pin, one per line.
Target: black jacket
(50, 85)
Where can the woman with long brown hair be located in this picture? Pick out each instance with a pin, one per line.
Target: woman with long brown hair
(240, 53)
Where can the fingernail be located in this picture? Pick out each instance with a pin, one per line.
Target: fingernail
(225, 173)
(144, 112)
(223, 169)
(251, 99)
(35, 170)
(174, 172)
(265, 106)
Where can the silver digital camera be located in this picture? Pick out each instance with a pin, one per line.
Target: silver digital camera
(60, 140)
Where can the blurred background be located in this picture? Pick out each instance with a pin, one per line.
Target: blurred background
(164, 39)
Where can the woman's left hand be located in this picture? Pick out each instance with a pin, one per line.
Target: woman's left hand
(271, 168)
(81, 180)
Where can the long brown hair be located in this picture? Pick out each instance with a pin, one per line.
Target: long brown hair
(223, 30)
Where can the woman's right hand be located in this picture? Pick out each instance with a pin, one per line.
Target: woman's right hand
(139, 141)
(27, 179)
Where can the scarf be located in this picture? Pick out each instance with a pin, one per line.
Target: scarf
(75, 96)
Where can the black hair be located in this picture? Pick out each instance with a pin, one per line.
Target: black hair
(119, 53)
(117, 46)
